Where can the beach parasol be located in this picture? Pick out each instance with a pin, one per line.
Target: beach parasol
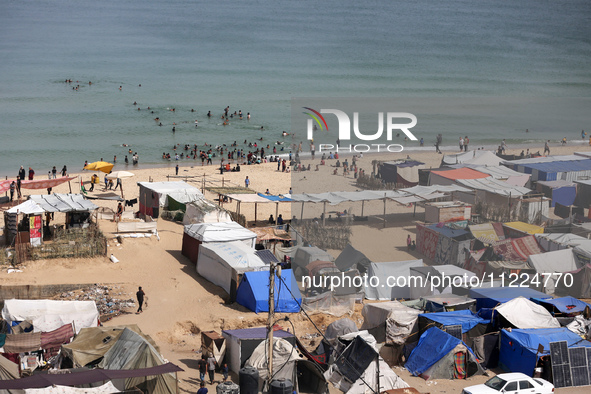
(120, 175)
(99, 166)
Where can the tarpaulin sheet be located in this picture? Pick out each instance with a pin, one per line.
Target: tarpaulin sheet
(63, 202)
(564, 304)
(524, 227)
(486, 232)
(57, 337)
(523, 313)
(465, 318)
(517, 249)
(461, 173)
(492, 296)
(495, 186)
(480, 157)
(275, 198)
(427, 240)
(433, 345)
(519, 348)
(5, 185)
(20, 343)
(45, 183)
(219, 232)
(253, 292)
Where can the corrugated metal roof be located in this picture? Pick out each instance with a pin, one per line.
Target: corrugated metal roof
(495, 186)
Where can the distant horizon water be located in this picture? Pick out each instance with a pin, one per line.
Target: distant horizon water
(257, 56)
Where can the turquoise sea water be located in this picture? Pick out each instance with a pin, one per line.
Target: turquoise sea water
(255, 56)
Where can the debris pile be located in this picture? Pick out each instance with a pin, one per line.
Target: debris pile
(111, 300)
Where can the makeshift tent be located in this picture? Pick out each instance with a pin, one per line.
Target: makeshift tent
(357, 365)
(253, 292)
(391, 322)
(304, 255)
(106, 388)
(196, 234)
(446, 211)
(556, 241)
(203, 211)
(449, 177)
(287, 364)
(493, 296)
(441, 303)
(583, 197)
(523, 313)
(153, 195)
(351, 258)
(223, 264)
(403, 173)
(491, 185)
(340, 327)
(521, 229)
(549, 263)
(563, 192)
(581, 286)
(471, 324)
(132, 351)
(434, 357)
(474, 157)
(437, 279)
(562, 305)
(398, 272)
(443, 244)
(517, 249)
(503, 173)
(487, 232)
(554, 169)
(240, 344)
(214, 344)
(519, 348)
(48, 315)
(91, 344)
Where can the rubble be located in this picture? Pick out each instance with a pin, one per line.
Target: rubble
(111, 300)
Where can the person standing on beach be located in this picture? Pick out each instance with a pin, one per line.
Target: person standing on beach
(176, 169)
(503, 146)
(466, 141)
(461, 144)
(64, 170)
(31, 174)
(246, 182)
(18, 186)
(54, 172)
(202, 389)
(140, 299)
(438, 141)
(547, 147)
(408, 242)
(21, 173)
(12, 187)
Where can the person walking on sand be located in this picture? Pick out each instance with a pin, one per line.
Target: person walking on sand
(211, 363)
(140, 298)
(547, 147)
(203, 389)
(202, 366)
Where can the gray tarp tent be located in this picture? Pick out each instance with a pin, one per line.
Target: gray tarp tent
(351, 258)
(398, 272)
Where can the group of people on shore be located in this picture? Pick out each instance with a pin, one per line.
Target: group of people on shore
(15, 186)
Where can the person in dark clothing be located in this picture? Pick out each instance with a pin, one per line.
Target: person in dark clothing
(21, 173)
(18, 187)
(140, 299)
(202, 365)
(12, 187)
(203, 389)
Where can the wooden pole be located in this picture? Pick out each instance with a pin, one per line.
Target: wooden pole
(270, 322)
(276, 211)
(384, 212)
(70, 185)
(324, 214)
(302, 213)
(255, 213)
(362, 206)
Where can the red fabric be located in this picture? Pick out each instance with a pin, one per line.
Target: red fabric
(5, 186)
(45, 183)
(430, 240)
(460, 365)
(57, 337)
(526, 246)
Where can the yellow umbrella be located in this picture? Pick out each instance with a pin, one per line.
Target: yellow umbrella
(99, 166)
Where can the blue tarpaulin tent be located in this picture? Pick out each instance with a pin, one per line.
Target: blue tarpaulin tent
(563, 304)
(492, 296)
(253, 292)
(466, 318)
(434, 355)
(519, 347)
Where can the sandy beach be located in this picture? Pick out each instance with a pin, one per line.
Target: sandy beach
(180, 304)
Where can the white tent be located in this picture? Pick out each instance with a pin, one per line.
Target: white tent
(221, 263)
(556, 241)
(57, 389)
(558, 261)
(48, 315)
(390, 322)
(475, 157)
(28, 207)
(154, 195)
(284, 357)
(523, 313)
(398, 272)
(203, 211)
(425, 283)
(221, 232)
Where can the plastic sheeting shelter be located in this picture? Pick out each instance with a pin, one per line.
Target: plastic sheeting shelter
(391, 322)
(562, 192)
(304, 255)
(565, 305)
(351, 258)
(583, 198)
(558, 261)
(131, 351)
(253, 292)
(153, 195)
(426, 286)
(544, 170)
(196, 234)
(520, 229)
(223, 263)
(48, 315)
(523, 313)
(581, 287)
(441, 303)
(203, 211)
(403, 173)
(240, 344)
(444, 245)
(519, 348)
(398, 271)
(449, 177)
(474, 157)
(493, 296)
(433, 357)
(557, 241)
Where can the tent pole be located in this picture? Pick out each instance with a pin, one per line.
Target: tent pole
(270, 323)
(362, 206)
(324, 214)
(121, 187)
(70, 185)
(302, 213)
(255, 213)
(276, 211)
(415, 211)
(384, 212)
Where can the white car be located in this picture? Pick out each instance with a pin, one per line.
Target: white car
(512, 383)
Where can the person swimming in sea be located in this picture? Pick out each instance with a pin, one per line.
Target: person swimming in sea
(209, 114)
(284, 134)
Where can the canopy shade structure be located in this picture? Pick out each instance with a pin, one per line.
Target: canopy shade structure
(45, 183)
(120, 175)
(99, 166)
(475, 157)
(53, 203)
